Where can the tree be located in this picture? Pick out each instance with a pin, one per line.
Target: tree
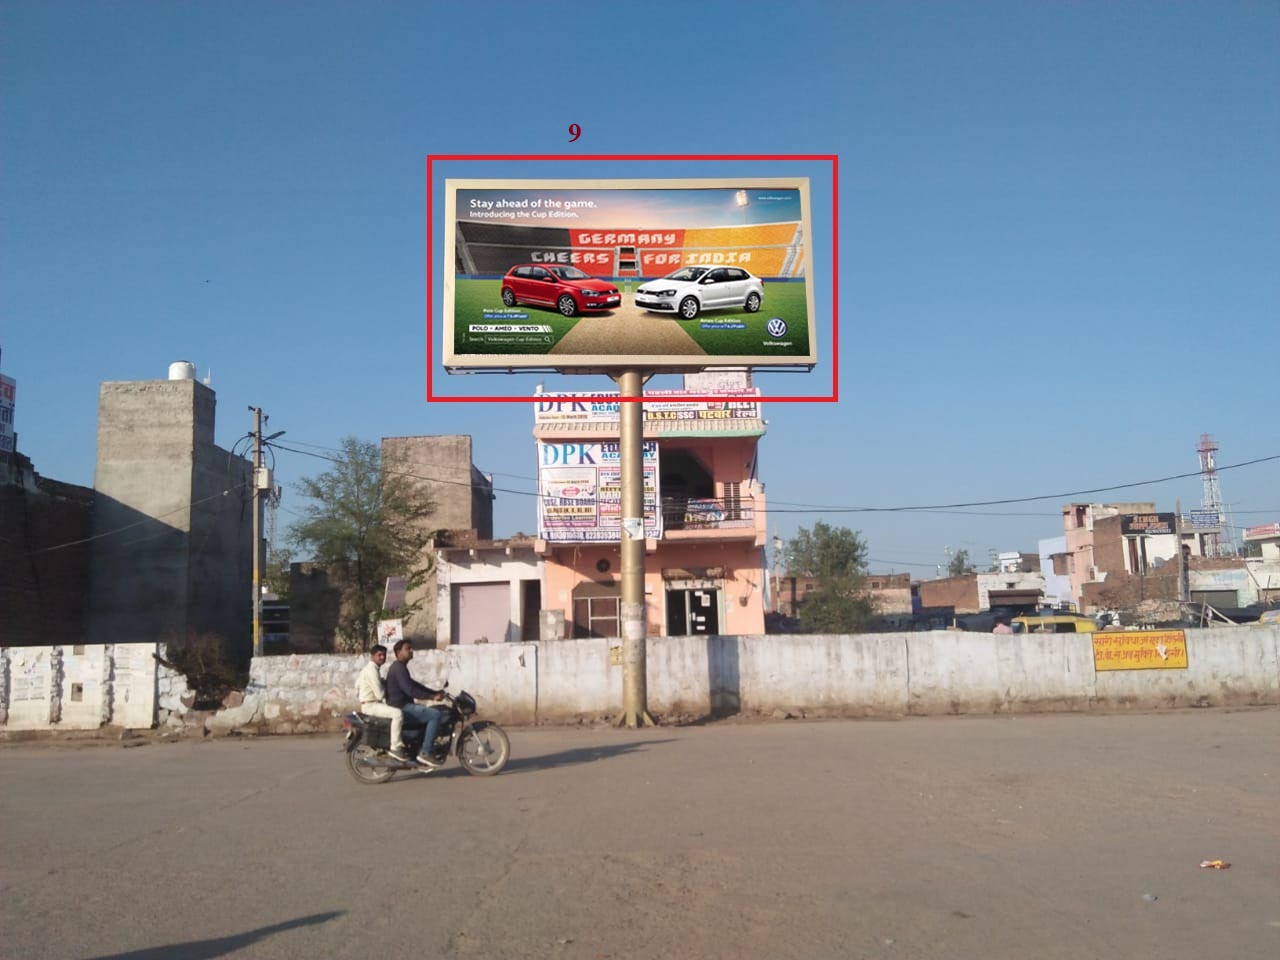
(960, 564)
(836, 557)
(367, 520)
(276, 574)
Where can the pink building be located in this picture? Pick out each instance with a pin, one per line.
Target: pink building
(705, 515)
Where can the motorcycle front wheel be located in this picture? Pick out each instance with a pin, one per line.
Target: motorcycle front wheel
(484, 749)
(362, 764)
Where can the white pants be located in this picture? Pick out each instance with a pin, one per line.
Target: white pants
(394, 714)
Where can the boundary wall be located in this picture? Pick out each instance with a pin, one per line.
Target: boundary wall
(575, 681)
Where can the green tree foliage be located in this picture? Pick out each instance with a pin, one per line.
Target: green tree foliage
(960, 564)
(837, 558)
(366, 520)
(276, 574)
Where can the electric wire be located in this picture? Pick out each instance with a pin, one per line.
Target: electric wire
(144, 520)
(815, 508)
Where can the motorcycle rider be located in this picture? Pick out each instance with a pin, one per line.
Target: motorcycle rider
(403, 690)
(372, 694)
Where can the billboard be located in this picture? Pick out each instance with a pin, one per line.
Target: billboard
(610, 274)
(580, 492)
(1205, 519)
(1147, 524)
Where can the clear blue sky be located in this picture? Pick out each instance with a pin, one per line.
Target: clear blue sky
(1060, 226)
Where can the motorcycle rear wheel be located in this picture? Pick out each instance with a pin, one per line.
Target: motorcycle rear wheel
(360, 759)
(484, 749)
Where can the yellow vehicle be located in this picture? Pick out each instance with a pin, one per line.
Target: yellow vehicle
(1057, 623)
(1270, 617)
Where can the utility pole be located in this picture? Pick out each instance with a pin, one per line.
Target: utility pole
(257, 531)
(777, 571)
(1182, 559)
(635, 712)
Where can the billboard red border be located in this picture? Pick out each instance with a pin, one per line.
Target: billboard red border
(834, 159)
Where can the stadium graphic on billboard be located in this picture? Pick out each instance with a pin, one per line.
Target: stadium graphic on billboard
(598, 275)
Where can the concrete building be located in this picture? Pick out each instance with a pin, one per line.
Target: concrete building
(44, 556)
(705, 516)
(172, 517)
(489, 591)
(1054, 567)
(974, 593)
(441, 468)
(1267, 539)
(1133, 561)
(1226, 583)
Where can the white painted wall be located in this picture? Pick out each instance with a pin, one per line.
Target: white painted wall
(943, 671)
(116, 685)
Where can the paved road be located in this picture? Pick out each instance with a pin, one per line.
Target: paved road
(1033, 837)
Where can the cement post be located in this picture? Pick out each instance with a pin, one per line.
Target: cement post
(635, 711)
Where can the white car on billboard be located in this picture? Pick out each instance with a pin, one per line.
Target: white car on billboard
(691, 290)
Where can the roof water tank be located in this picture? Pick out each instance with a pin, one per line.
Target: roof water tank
(182, 370)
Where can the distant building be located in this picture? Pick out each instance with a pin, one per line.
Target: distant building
(1266, 538)
(889, 592)
(441, 467)
(1015, 591)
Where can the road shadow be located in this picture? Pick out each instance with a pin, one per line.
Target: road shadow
(567, 758)
(218, 946)
(546, 761)
(722, 676)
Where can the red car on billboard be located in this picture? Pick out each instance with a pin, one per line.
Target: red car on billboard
(560, 286)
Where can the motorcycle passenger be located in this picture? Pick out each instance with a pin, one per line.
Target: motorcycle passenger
(403, 690)
(372, 694)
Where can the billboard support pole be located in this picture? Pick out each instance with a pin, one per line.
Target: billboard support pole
(635, 711)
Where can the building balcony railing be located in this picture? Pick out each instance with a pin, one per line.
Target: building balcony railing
(696, 514)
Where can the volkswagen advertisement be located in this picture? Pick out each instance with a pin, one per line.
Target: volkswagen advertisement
(598, 275)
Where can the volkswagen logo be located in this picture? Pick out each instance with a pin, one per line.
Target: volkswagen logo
(777, 327)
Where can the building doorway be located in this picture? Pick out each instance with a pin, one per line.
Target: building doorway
(481, 612)
(691, 612)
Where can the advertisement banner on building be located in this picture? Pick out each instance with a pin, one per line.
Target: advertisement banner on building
(580, 492)
(8, 399)
(1147, 525)
(559, 409)
(604, 274)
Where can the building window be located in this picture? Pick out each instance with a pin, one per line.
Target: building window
(596, 616)
(733, 500)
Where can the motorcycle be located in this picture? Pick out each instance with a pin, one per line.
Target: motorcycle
(481, 746)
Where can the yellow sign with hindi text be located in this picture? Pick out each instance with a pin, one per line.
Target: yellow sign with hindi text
(1140, 650)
